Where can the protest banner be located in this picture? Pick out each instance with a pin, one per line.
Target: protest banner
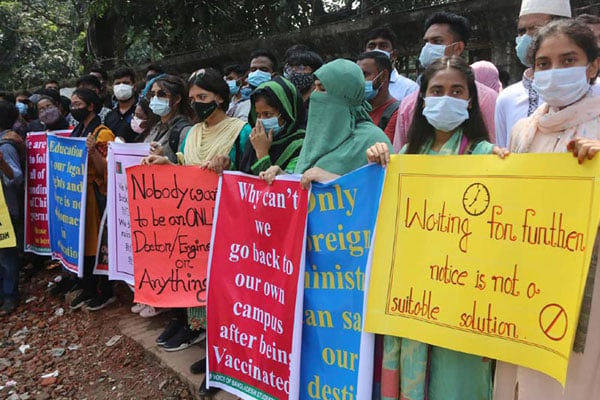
(491, 263)
(337, 355)
(120, 254)
(171, 215)
(254, 310)
(67, 190)
(37, 239)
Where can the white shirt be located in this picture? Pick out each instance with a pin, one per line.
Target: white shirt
(400, 86)
(239, 109)
(513, 104)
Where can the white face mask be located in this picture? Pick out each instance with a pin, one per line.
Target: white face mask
(123, 91)
(561, 87)
(445, 113)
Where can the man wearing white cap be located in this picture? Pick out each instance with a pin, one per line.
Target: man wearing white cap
(520, 100)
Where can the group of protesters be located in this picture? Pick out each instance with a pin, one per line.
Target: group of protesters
(323, 120)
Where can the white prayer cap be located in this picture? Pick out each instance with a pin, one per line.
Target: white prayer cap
(561, 8)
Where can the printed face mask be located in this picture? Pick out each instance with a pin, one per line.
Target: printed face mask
(562, 86)
(50, 115)
(446, 113)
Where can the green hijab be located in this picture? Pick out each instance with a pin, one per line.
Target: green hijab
(287, 144)
(339, 129)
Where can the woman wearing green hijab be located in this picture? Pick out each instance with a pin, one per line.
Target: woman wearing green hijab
(276, 116)
(339, 129)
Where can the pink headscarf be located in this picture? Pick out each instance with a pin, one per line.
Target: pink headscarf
(486, 73)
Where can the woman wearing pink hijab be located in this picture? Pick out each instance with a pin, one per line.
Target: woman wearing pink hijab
(486, 73)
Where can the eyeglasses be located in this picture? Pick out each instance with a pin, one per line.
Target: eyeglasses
(158, 93)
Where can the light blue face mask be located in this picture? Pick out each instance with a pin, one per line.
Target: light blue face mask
(271, 123)
(370, 92)
(446, 113)
(523, 44)
(257, 77)
(246, 92)
(430, 53)
(233, 87)
(22, 107)
(160, 106)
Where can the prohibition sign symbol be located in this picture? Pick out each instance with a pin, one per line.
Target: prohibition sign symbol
(554, 322)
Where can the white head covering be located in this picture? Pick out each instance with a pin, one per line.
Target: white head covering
(561, 8)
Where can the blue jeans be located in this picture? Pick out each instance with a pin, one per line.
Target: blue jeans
(9, 273)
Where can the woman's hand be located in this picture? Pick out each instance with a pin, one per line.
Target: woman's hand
(500, 151)
(316, 174)
(583, 148)
(90, 142)
(270, 174)
(218, 164)
(379, 153)
(261, 142)
(156, 149)
(154, 159)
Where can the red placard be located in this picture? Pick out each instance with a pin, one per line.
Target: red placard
(255, 297)
(171, 211)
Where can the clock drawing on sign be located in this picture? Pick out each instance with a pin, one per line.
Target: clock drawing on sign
(476, 199)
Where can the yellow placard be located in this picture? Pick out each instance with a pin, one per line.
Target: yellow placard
(7, 232)
(485, 256)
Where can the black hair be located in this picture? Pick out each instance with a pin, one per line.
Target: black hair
(156, 68)
(51, 95)
(26, 93)
(382, 32)
(295, 48)
(65, 102)
(577, 32)
(421, 130)
(123, 73)
(236, 69)
(51, 81)
(381, 60)
(459, 25)
(212, 81)
(305, 57)
(8, 96)
(100, 71)
(89, 97)
(589, 19)
(89, 80)
(264, 53)
(176, 86)
(9, 113)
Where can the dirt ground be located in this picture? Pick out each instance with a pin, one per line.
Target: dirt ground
(50, 352)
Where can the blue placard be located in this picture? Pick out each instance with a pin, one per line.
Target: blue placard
(337, 356)
(67, 187)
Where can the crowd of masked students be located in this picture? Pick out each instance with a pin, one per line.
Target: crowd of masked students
(323, 120)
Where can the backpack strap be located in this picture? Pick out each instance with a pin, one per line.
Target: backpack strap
(387, 114)
(176, 132)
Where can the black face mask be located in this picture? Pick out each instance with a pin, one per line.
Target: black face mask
(204, 110)
(80, 113)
